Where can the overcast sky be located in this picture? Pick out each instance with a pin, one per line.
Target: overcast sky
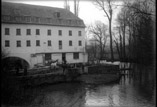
(87, 10)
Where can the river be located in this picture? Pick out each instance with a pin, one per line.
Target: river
(137, 89)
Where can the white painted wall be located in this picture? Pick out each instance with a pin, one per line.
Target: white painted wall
(25, 52)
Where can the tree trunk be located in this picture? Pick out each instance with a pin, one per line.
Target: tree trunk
(111, 47)
(121, 47)
(124, 54)
(118, 49)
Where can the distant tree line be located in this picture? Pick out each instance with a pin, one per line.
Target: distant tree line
(134, 36)
(107, 7)
(136, 20)
(98, 42)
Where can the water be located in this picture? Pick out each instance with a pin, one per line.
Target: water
(134, 90)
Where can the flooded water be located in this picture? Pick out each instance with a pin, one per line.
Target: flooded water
(134, 90)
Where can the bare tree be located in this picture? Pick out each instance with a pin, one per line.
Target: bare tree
(138, 19)
(107, 7)
(118, 41)
(146, 7)
(122, 21)
(66, 5)
(99, 33)
(76, 7)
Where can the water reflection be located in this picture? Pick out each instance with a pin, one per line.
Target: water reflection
(63, 95)
(102, 96)
(134, 90)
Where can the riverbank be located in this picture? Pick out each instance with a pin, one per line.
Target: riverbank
(69, 94)
(13, 86)
(97, 73)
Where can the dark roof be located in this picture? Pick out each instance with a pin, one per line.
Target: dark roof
(14, 10)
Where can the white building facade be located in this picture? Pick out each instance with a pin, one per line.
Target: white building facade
(38, 34)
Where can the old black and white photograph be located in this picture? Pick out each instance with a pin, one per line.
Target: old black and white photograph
(78, 53)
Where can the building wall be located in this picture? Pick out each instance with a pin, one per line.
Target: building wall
(82, 58)
(25, 52)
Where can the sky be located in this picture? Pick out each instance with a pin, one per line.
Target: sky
(88, 12)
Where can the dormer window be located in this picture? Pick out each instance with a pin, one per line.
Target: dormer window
(36, 19)
(18, 19)
(57, 14)
(28, 19)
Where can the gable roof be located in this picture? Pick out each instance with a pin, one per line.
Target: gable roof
(14, 10)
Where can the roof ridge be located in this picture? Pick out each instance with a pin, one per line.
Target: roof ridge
(36, 11)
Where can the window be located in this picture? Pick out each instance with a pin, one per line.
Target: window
(47, 56)
(80, 43)
(48, 32)
(60, 44)
(18, 31)
(36, 19)
(28, 43)
(60, 32)
(17, 18)
(37, 42)
(79, 33)
(28, 31)
(70, 43)
(49, 43)
(76, 55)
(37, 31)
(70, 33)
(18, 43)
(7, 31)
(27, 18)
(58, 14)
(7, 43)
